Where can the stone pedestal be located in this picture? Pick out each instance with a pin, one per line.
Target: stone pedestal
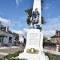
(34, 46)
(33, 56)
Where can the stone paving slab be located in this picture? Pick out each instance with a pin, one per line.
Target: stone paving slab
(2, 53)
(52, 52)
(4, 48)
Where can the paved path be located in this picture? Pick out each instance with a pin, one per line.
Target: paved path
(10, 50)
(52, 52)
(2, 53)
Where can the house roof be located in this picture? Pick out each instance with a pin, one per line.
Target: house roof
(55, 36)
(4, 33)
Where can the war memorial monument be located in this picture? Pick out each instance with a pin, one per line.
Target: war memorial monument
(34, 44)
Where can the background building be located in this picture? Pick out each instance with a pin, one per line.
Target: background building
(6, 36)
(56, 37)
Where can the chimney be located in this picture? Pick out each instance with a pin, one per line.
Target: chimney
(56, 32)
(7, 28)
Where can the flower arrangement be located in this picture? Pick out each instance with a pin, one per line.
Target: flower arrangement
(32, 51)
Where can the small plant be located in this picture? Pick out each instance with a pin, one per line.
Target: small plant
(51, 56)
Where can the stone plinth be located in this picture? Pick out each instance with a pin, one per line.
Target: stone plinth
(34, 46)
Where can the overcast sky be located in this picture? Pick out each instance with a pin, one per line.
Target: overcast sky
(12, 14)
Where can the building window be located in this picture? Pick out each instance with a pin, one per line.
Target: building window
(10, 39)
(0, 40)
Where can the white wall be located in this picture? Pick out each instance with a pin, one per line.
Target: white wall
(6, 38)
(5, 41)
(21, 39)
